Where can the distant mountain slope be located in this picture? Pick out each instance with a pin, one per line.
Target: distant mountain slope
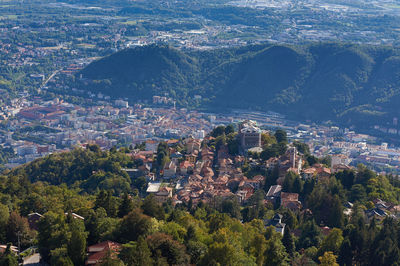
(143, 72)
(350, 84)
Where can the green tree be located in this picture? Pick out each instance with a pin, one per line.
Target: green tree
(345, 254)
(280, 136)
(288, 242)
(221, 253)
(126, 206)
(59, 256)
(229, 129)
(346, 177)
(53, 234)
(8, 258)
(336, 216)
(151, 207)
(106, 201)
(358, 193)
(4, 216)
(275, 253)
(328, 259)
(133, 225)
(77, 242)
(310, 235)
(232, 207)
(196, 251)
(385, 247)
(301, 147)
(172, 250)
(136, 253)
(332, 242)
(218, 131)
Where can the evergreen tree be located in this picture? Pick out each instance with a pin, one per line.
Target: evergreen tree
(136, 253)
(229, 129)
(105, 200)
(126, 206)
(275, 253)
(151, 207)
(4, 215)
(190, 234)
(77, 243)
(385, 247)
(288, 242)
(53, 234)
(59, 256)
(336, 216)
(281, 136)
(310, 235)
(345, 254)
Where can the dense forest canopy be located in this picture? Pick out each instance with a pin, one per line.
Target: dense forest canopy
(349, 84)
(92, 183)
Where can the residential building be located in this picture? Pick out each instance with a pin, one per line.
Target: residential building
(249, 134)
(97, 252)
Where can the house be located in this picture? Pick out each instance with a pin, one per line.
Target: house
(143, 155)
(339, 167)
(33, 219)
(271, 163)
(249, 191)
(172, 142)
(75, 216)
(97, 252)
(151, 145)
(185, 167)
(255, 182)
(309, 173)
(144, 169)
(169, 170)
(191, 158)
(339, 159)
(290, 201)
(323, 173)
(193, 145)
(207, 171)
(163, 194)
(274, 193)
(276, 222)
(3, 248)
(242, 196)
(153, 187)
(376, 213)
(132, 172)
(176, 156)
(150, 177)
(249, 134)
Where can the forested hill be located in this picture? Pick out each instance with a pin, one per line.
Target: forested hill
(349, 84)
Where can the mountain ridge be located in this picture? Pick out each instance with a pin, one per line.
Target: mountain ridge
(325, 81)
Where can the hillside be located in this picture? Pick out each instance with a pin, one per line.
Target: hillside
(349, 84)
(67, 202)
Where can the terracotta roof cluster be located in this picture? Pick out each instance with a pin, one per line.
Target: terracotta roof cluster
(204, 184)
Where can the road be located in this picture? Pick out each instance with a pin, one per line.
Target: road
(49, 78)
(33, 260)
